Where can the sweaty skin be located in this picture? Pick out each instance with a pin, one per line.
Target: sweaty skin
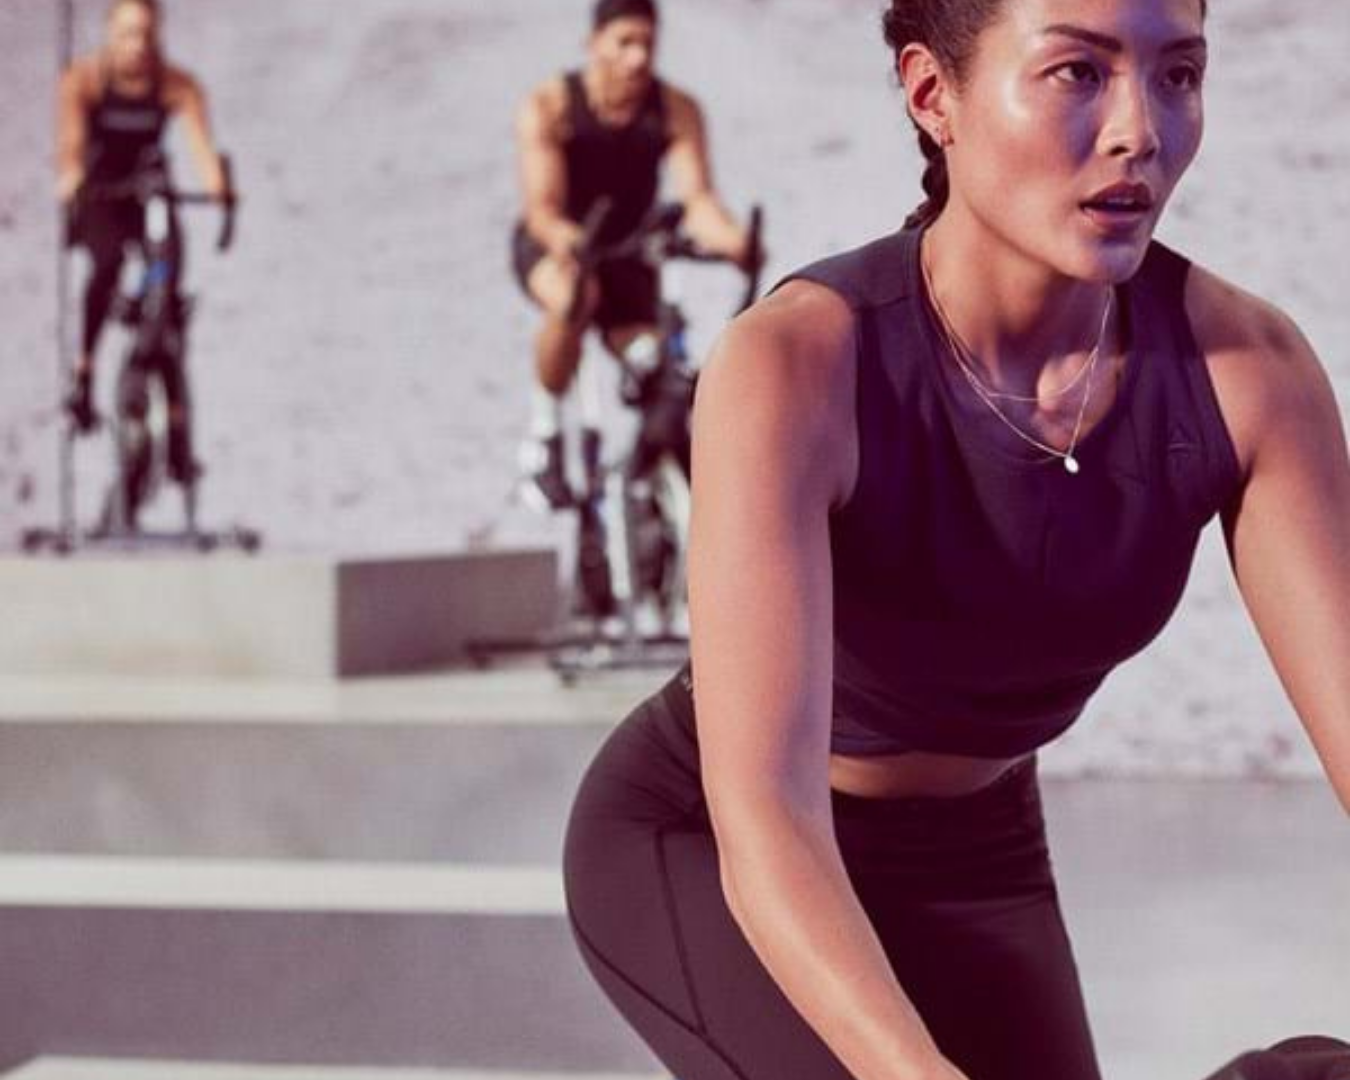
(1063, 100)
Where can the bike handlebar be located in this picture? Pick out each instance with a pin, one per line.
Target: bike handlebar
(656, 240)
(1307, 1057)
(153, 183)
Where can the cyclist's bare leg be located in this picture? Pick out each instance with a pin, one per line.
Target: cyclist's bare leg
(558, 342)
(558, 345)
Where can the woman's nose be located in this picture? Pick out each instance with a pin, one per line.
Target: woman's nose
(1130, 127)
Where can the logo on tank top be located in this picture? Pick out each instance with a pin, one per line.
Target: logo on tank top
(132, 121)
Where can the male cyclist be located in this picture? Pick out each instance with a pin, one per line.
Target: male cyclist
(112, 110)
(603, 131)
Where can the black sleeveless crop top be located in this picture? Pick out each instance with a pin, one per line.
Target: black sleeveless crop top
(123, 130)
(622, 163)
(981, 595)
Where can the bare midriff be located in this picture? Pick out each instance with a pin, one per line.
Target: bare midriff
(915, 773)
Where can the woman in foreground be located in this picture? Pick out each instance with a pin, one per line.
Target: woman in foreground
(943, 484)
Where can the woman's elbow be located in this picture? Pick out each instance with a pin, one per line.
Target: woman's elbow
(762, 840)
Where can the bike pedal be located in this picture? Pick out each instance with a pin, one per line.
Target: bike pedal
(543, 486)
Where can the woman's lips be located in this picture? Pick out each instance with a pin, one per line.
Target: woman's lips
(1117, 218)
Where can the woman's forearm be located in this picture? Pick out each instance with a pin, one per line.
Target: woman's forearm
(710, 224)
(787, 887)
(70, 137)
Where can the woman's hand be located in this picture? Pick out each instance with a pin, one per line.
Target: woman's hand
(68, 183)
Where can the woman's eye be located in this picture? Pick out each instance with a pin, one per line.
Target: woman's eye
(1077, 73)
(1185, 77)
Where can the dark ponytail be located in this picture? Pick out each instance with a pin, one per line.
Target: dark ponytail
(934, 182)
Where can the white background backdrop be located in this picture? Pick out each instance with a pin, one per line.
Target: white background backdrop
(361, 358)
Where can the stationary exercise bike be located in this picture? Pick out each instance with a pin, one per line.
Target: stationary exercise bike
(148, 449)
(631, 511)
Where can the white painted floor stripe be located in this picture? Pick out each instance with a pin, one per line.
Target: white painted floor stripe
(59, 1068)
(509, 696)
(262, 885)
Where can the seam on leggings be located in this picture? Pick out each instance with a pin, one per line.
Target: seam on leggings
(614, 969)
(668, 894)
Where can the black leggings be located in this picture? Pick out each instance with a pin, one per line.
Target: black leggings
(959, 890)
(105, 229)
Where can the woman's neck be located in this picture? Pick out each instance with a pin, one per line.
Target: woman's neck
(609, 99)
(1021, 319)
(136, 79)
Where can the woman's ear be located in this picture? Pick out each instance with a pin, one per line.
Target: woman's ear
(927, 91)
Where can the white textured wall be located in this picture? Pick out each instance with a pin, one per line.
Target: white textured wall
(361, 358)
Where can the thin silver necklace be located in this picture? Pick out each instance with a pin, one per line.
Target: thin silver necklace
(987, 395)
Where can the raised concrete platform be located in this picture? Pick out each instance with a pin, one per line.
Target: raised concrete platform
(452, 767)
(309, 615)
(383, 791)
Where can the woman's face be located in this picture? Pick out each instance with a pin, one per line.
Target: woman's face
(132, 38)
(1074, 125)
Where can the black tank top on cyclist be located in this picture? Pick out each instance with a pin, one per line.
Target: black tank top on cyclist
(620, 162)
(123, 131)
(982, 594)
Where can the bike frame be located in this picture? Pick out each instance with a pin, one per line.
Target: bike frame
(157, 314)
(156, 352)
(657, 464)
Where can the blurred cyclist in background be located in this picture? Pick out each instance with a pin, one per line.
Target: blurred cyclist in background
(604, 131)
(113, 107)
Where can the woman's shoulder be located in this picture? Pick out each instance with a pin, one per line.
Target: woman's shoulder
(802, 337)
(785, 368)
(179, 86)
(1262, 367)
(83, 77)
(801, 334)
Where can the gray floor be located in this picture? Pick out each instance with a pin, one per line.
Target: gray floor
(1209, 916)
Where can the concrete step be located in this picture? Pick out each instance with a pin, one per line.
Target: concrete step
(315, 964)
(66, 1068)
(266, 615)
(367, 791)
(452, 768)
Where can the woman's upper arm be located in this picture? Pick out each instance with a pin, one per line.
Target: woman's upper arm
(773, 451)
(1289, 530)
(71, 133)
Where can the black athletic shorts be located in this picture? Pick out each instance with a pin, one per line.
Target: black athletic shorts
(629, 288)
(959, 890)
